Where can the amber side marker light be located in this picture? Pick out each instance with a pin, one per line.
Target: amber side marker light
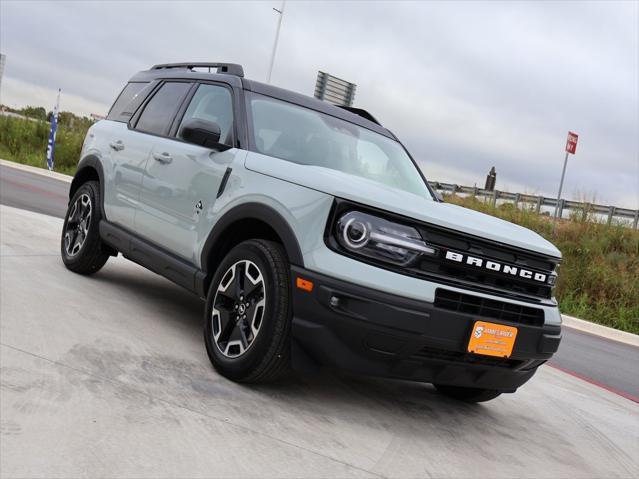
(304, 284)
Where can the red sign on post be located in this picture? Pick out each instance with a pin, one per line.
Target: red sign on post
(571, 143)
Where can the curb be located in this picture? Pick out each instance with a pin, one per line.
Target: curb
(599, 330)
(36, 170)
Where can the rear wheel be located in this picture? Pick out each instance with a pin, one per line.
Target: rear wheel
(248, 314)
(81, 247)
(467, 394)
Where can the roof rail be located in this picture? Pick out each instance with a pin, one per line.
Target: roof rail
(360, 112)
(228, 68)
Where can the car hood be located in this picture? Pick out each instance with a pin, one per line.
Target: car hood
(372, 193)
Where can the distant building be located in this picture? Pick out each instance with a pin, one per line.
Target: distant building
(3, 58)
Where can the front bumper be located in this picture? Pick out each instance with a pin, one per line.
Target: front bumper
(374, 333)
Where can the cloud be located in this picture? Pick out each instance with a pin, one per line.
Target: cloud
(465, 85)
(23, 93)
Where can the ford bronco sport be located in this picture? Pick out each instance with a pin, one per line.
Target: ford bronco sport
(312, 235)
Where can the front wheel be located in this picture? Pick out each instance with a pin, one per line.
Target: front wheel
(81, 247)
(247, 318)
(467, 394)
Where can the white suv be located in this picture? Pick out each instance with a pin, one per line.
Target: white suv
(312, 235)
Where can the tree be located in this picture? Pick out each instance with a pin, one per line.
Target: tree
(37, 112)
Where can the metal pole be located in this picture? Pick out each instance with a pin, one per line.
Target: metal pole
(277, 37)
(561, 185)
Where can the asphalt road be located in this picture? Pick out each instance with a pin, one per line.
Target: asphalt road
(33, 192)
(603, 362)
(107, 376)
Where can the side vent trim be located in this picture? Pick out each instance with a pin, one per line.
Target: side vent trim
(225, 180)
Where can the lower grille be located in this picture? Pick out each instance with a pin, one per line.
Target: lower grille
(487, 279)
(488, 308)
(467, 358)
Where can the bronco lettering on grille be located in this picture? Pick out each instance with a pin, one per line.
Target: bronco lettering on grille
(494, 266)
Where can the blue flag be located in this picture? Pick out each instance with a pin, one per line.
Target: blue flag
(52, 132)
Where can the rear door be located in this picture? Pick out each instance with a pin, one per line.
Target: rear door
(181, 180)
(133, 146)
(124, 156)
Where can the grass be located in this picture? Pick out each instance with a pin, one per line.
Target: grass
(598, 278)
(25, 141)
(599, 274)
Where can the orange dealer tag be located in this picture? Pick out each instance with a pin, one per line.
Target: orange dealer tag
(492, 339)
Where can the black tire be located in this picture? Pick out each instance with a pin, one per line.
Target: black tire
(266, 358)
(91, 255)
(471, 395)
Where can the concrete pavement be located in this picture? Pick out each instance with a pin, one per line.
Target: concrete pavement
(107, 376)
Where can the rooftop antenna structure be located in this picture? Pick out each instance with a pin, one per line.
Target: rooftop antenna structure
(280, 12)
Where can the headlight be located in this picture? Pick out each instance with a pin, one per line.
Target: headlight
(552, 279)
(380, 239)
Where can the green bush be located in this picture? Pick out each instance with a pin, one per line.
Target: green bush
(37, 112)
(25, 141)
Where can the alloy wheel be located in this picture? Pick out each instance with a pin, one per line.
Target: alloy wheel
(238, 308)
(78, 223)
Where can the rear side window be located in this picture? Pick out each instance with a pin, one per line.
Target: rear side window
(119, 110)
(160, 110)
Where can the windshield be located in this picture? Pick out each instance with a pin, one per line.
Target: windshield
(308, 137)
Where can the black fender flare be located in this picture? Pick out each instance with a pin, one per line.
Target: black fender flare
(259, 212)
(88, 162)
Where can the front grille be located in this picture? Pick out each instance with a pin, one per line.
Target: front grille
(495, 282)
(488, 308)
(467, 358)
(491, 281)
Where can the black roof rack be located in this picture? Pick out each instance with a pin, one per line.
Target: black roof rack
(360, 112)
(228, 68)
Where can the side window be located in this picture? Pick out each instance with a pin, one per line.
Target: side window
(160, 110)
(131, 92)
(212, 103)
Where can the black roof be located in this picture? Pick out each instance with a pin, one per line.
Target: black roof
(220, 67)
(183, 71)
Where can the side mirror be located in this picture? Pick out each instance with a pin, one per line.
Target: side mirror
(204, 133)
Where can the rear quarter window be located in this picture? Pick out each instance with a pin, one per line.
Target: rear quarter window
(120, 110)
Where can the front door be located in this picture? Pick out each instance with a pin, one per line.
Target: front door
(181, 180)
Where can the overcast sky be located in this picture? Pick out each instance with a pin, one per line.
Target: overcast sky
(465, 85)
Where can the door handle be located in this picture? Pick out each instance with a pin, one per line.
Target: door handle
(117, 145)
(164, 158)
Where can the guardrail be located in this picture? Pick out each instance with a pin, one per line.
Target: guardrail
(609, 212)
